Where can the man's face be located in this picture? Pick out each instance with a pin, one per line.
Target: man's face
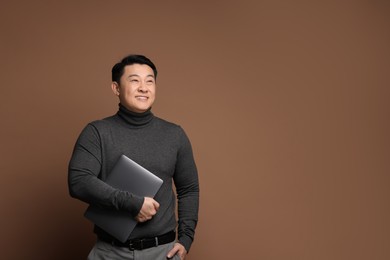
(137, 88)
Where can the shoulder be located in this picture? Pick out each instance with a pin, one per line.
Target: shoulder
(164, 122)
(167, 125)
(97, 127)
(103, 123)
(172, 130)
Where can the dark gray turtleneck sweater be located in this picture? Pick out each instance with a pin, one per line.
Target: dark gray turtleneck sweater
(161, 147)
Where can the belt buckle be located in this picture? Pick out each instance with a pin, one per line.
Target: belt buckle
(131, 246)
(136, 244)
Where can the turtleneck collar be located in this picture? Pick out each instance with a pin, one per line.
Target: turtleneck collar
(135, 119)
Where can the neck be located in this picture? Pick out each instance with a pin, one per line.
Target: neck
(133, 118)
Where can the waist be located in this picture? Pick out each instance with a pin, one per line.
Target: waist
(141, 243)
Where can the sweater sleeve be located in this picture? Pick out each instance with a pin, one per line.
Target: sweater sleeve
(187, 188)
(83, 176)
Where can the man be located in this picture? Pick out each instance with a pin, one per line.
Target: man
(159, 146)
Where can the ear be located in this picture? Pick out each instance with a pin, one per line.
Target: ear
(115, 88)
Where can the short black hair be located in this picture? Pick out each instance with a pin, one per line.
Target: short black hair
(118, 69)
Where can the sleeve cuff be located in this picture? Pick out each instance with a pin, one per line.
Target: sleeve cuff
(186, 242)
(133, 204)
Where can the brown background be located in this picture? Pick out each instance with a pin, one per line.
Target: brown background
(286, 104)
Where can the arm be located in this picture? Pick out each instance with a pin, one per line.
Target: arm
(187, 188)
(84, 183)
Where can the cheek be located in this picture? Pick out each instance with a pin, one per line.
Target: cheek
(126, 97)
(153, 93)
(129, 92)
(151, 100)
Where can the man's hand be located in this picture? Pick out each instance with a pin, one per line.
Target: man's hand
(179, 250)
(148, 210)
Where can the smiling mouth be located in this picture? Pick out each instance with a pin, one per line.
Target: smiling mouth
(141, 98)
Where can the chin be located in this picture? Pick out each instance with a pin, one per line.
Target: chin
(142, 109)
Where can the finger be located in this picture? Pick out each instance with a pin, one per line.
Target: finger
(141, 218)
(173, 251)
(156, 205)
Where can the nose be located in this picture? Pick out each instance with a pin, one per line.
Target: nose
(142, 87)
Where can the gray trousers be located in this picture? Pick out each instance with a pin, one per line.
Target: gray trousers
(106, 251)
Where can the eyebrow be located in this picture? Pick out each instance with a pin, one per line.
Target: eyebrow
(132, 75)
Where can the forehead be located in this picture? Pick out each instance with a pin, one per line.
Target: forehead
(141, 70)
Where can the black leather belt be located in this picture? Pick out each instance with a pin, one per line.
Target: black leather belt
(144, 243)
